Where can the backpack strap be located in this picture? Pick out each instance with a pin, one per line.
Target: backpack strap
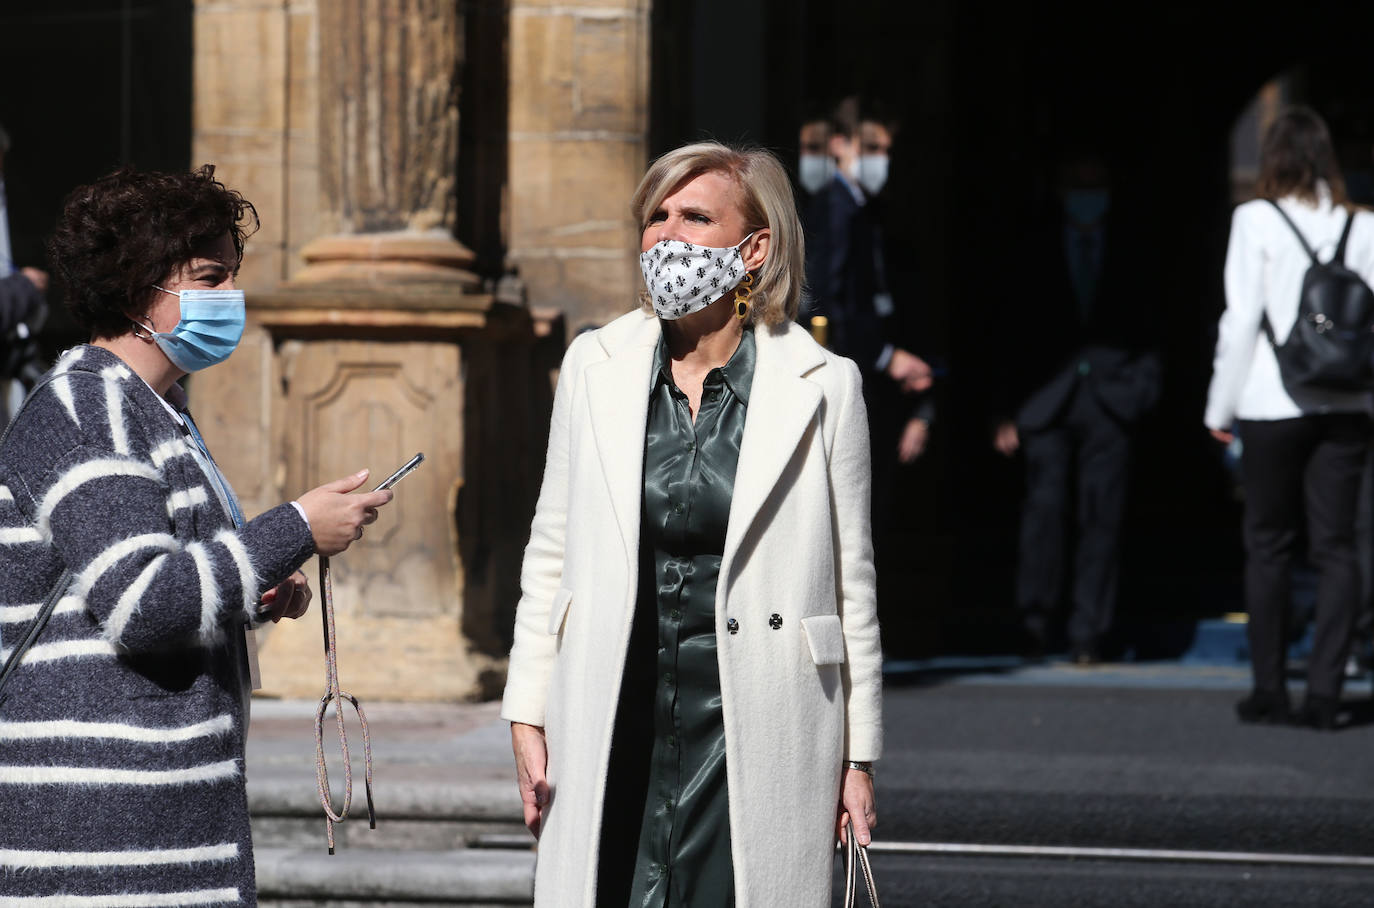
(40, 620)
(1301, 239)
(1339, 257)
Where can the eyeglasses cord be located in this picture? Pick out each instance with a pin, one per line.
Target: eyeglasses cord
(336, 696)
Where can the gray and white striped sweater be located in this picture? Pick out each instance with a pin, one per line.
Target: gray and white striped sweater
(122, 731)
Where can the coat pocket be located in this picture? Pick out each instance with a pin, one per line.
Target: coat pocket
(561, 600)
(825, 636)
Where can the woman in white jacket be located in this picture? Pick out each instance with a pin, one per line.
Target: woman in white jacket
(694, 687)
(1303, 448)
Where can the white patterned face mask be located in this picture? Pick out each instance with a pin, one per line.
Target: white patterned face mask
(683, 278)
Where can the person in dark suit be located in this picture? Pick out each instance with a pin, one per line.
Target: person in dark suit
(1085, 371)
(866, 317)
(845, 269)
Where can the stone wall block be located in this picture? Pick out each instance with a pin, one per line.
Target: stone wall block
(542, 73)
(607, 90)
(355, 404)
(241, 51)
(578, 134)
(609, 283)
(398, 591)
(562, 187)
(603, 7)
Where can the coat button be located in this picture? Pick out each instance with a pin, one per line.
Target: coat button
(775, 622)
(732, 625)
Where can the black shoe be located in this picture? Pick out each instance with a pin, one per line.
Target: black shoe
(1319, 712)
(1264, 707)
(1085, 654)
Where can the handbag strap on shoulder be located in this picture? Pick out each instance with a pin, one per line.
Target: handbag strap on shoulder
(55, 594)
(47, 379)
(35, 628)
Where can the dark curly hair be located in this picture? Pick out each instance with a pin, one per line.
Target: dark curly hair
(125, 232)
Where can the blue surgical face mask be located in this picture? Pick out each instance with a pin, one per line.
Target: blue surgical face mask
(1086, 207)
(210, 328)
(872, 174)
(814, 171)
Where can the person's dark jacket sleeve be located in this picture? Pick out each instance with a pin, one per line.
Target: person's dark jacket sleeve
(18, 297)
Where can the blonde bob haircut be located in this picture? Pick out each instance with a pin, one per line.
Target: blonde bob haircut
(766, 201)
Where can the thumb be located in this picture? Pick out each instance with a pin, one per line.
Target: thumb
(347, 483)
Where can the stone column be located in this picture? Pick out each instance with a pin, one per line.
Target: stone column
(578, 147)
(388, 111)
(383, 345)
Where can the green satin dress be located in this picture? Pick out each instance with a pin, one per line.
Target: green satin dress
(683, 854)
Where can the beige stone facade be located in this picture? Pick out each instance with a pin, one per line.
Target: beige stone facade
(372, 335)
(578, 144)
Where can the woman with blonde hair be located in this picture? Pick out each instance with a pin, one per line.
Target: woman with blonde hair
(695, 684)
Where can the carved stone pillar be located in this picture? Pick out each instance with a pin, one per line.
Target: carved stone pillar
(389, 76)
(381, 346)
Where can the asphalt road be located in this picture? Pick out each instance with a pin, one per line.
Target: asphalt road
(1155, 761)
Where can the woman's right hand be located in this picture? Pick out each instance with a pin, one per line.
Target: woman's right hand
(1006, 439)
(336, 517)
(531, 761)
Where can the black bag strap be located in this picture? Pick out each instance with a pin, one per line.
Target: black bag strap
(33, 392)
(1301, 239)
(45, 611)
(35, 627)
(1339, 257)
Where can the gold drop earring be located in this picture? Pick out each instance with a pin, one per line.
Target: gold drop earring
(742, 294)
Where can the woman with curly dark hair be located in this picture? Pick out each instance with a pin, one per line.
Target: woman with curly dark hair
(129, 579)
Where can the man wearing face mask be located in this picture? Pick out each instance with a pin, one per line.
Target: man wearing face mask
(845, 262)
(815, 166)
(1081, 373)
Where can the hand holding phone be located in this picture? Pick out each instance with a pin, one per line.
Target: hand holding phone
(337, 511)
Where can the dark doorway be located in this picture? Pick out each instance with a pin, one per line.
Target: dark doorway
(984, 94)
(89, 85)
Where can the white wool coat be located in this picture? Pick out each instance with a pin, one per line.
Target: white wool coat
(797, 700)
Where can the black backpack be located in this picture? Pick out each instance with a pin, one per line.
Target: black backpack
(1331, 344)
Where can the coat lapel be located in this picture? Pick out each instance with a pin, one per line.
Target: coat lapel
(782, 404)
(618, 403)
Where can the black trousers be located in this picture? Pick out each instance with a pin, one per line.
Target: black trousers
(1081, 463)
(1295, 469)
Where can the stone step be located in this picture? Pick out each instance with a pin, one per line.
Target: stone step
(424, 815)
(299, 878)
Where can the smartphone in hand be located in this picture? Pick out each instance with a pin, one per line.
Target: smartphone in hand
(406, 469)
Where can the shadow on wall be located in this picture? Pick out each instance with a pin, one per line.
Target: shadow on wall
(509, 389)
